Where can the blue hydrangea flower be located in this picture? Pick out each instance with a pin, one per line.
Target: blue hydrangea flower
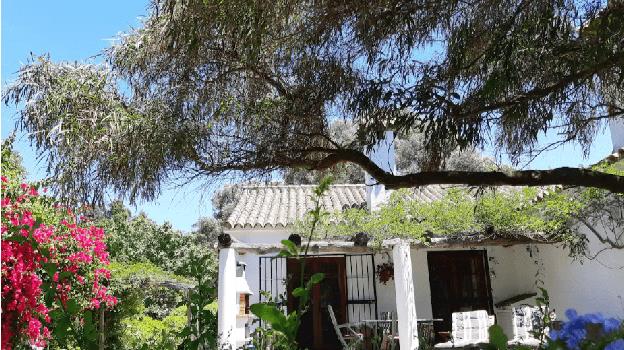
(574, 331)
(615, 345)
(611, 325)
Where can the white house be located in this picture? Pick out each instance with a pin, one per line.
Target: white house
(430, 281)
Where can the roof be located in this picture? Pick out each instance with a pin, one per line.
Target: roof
(276, 205)
(282, 205)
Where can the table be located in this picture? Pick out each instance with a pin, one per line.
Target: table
(424, 320)
(424, 326)
(426, 332)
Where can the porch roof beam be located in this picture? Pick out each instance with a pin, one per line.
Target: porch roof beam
(315, 247)
(346, 246)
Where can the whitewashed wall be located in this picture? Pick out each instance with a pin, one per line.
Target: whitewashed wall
(587, 286)
(259, 235)
(385, 292)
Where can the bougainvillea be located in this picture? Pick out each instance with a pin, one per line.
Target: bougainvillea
(53, 274)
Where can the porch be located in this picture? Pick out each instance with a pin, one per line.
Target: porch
(428, 282)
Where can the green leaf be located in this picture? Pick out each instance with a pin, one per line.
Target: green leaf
(185, 332)
(18, 238)
(299, 292)
(88, 318)
(56, 314)
(63, 275)
(72, 306)
(292, 325)
(50, 268)
(44, 251)
(49, 296)
(269, 313)
(544, 293)
(498, 339)
(316, 278)
(60, 329)
(284, 253)
(323, 185)
(291, 247)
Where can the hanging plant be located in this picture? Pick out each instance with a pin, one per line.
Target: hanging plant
(385, 272)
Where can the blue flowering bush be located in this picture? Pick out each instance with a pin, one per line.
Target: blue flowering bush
(580, 332)
(589, 331)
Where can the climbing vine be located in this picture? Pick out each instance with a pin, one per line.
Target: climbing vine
(534, 213)
(491, 214)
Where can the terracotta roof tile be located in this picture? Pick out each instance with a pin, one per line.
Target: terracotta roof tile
(283, 205)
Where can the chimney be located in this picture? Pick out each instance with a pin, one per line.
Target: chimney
(617, 133)
(381, 154)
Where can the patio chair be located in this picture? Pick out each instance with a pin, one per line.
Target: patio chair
(469, 329)
(392, 337)
(352, 335)
(526, 319)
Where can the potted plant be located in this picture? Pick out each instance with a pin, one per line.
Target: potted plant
(385, 272)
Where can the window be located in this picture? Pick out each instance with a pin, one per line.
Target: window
(244, 304)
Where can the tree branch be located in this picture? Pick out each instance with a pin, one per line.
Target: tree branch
(559, 176)
(601, 238)
(539, 92)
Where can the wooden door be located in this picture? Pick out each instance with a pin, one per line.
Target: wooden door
(459, 281)
(316, 331)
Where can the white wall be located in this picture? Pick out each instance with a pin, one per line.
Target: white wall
(385, 292)
(422, 292)
(587, 286)
(259, 235)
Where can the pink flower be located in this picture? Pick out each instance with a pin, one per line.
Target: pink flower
(43, 233)
(6, 201)
(80, 257)
(102, 272)
(72, 248)
(111, 300)
(27, 219)
(34, 328)
(95, 303)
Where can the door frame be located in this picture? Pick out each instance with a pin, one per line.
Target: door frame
(486, 274)
(314, 264)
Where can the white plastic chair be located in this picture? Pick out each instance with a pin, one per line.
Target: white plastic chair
(468, 329)
(339, 327)
(526, 319)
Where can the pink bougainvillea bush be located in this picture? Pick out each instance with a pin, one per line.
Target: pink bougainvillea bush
(53, 271)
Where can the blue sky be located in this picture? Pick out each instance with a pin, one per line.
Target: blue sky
(77, 30)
